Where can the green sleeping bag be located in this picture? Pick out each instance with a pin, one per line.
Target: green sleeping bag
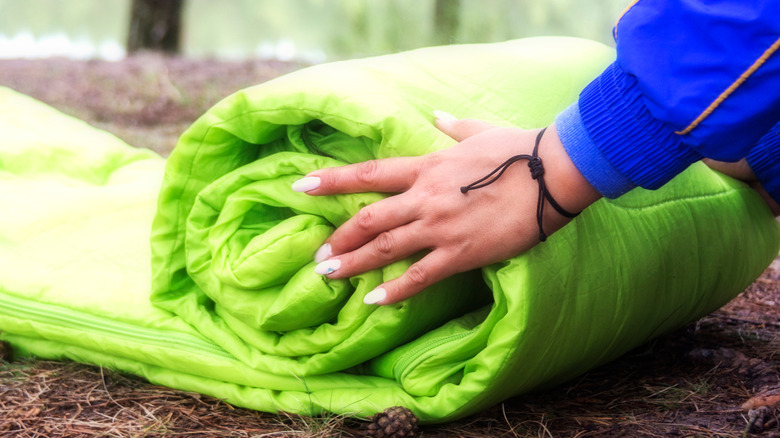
(226, 301)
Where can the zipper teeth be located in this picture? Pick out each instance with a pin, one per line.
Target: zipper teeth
(310, 144)
(51, 314)
(406, 360)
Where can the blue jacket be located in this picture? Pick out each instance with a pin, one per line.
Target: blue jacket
(692, 79)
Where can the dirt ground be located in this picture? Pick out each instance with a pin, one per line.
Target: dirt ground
(718, 377)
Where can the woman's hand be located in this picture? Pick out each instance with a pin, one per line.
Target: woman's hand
(429, 213)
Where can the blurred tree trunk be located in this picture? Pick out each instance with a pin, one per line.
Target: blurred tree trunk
(446, 19)
(155, 25)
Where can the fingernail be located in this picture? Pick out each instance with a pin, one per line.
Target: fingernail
(306, 183)
(323, 253)
(328, 267)
(375, 296)
(444, 116)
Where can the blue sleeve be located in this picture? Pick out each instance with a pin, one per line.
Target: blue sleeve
(692, 79)
(764, 159)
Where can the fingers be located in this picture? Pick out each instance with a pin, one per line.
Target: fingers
(459, 130)
(429, 270)
(372, 220)
(387, 247)
(388, 230)
(388, 175)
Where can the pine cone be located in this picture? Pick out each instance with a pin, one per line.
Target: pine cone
(395, 422)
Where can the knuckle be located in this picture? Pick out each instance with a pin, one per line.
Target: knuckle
(417, 275)
(461, 250)
(366, 172)
(365, 219)
(462, 246)
(384, 244)
(430, 161)
(432, 190)
(447, 235)
(430, 187)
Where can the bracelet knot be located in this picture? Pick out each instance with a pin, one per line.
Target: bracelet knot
(537, 173)
(537, 170)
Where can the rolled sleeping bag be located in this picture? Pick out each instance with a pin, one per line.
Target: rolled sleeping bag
(236, 310)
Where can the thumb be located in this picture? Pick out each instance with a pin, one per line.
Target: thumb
(459, 130)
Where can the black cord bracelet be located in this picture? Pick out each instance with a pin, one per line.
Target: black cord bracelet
(537, 173)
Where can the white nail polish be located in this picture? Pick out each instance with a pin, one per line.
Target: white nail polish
(306, 183)
(444, 116)
(323, 253)
(375, 296)
(328, 267)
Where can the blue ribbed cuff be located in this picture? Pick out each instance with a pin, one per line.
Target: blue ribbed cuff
(638, 147)
(764, 159)
(588, 159)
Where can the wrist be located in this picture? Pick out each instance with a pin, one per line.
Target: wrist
(564, 181)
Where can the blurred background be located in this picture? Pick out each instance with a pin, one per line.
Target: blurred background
(146, 69)
(311, 31)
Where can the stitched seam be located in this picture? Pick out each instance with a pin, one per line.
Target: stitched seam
(628, 8)
(729, 192)
(733, 87)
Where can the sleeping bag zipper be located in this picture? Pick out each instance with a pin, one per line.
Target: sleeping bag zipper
(424, 349)
(72, 319)
(306, 139)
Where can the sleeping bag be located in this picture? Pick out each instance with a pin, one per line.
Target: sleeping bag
(225, 300)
